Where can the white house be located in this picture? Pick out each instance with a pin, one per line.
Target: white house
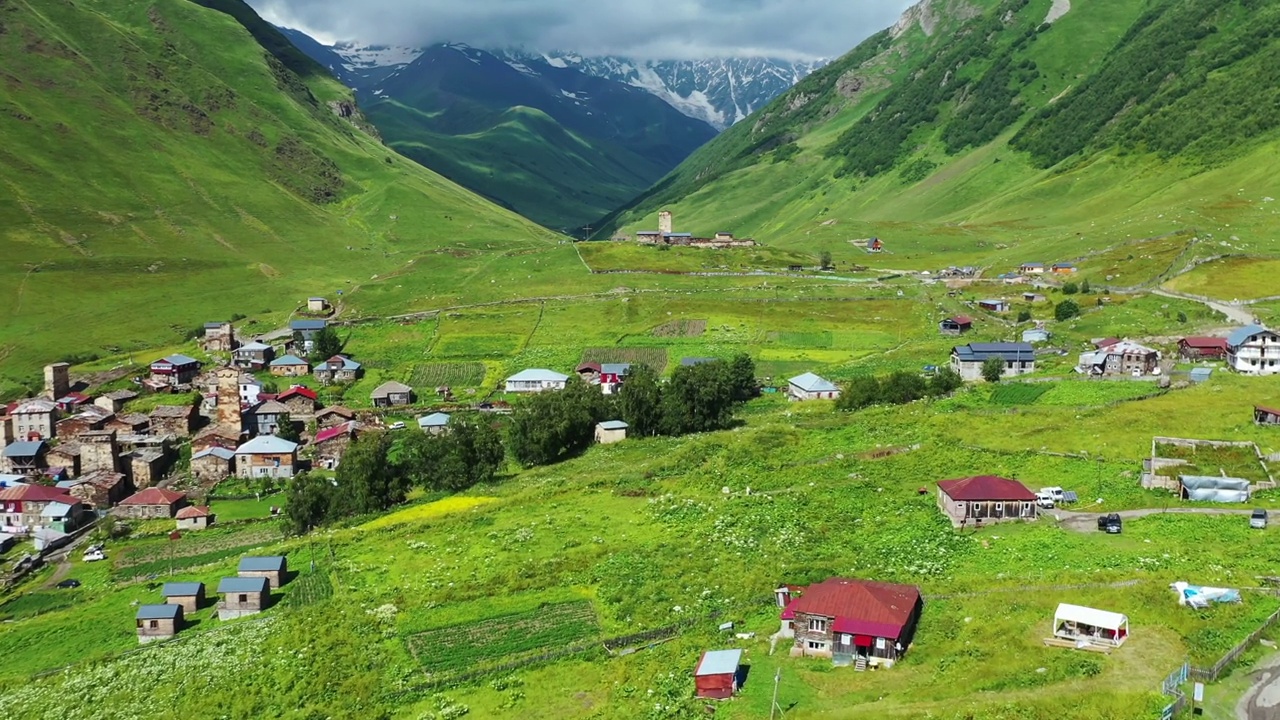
(811, 387)
(267, 456)
(1254, 350)
(250, 388)
(435, 423)
(536, 380)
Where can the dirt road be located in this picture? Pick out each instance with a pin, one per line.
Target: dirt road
(1240, 314)
(1088, 522)
(1262, 701)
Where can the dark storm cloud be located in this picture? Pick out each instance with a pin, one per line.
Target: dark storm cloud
(644, 29)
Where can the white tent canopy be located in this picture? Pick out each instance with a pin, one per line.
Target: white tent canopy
(1076, 622)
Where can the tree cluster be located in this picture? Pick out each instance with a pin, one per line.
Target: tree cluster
(897, 388)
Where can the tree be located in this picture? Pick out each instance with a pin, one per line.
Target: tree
(1024, 315)
(309, 500)
(1182, 317)
(640, 401)
(367, 480)
(993, 369)
(551, 426)
(1070, 289)
(1066, 310)
(287, 430)
(470, 453)
(324, 344)
(1084, 288)
(903, 386)
(825, 259)
(860, 392)
(945, 381)
(697, 399)
(742, 378)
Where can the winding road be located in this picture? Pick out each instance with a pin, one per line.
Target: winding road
(1262, 701)
(1239, 314)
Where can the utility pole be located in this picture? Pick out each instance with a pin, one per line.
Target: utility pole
(587, 232)
(777, 675)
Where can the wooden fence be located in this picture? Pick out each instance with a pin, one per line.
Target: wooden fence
(1172, 687)
(1212, 673)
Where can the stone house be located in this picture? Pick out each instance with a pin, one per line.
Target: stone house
(331, 443)
(174, 370)
(145, 466)
(853, 622)
(338, 368)
(215, 436)
(66, 455)
(115, 400)
(218, 337)
(194, 517)
(89, 418)
(242, 596)
(1018, 358)
(100, 489)
(331, 416)
(35, 419)
(985, 499)
(290, 366)
(188, 595)
(253, 356)
(392, 394)
(130, 424)
(178, 420)
(268, 417)
(98, 451)
(1121, 358)
(272, 567)
(317, 304)
(158, 622)
(1251, 350)
(25, 457)
(210, 465)
(267, 456)
(21, 506)
(301, 402)
(152, 502)
(611, 431)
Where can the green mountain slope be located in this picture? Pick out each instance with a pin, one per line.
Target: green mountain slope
(166, 163)
(977, 119)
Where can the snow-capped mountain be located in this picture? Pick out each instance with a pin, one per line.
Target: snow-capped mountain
(720, 91)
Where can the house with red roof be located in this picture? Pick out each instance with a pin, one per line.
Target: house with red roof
(985, 499)
(331, 443)
(1202, 348)
(153, 502)
(956, 325)
(194, 517)
(21, 506)
(301, 401)
(853, 622)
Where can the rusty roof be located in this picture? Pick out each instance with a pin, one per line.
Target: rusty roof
(154, 496)
(986, 487)
(859, 606)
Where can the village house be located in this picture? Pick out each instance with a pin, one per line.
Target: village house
(267, 456)
(242, 596)
(35, 419)
(72, 402)
(253, 355)
(1018, 358)
(536, 380)
(152, 502)
(25, 457)
(1202, 348)
(210, 465)
(956, 325)
(993, 305)
(1101, 343)
(21, 505)
(63, 516)
(194, 517)
(1063, 268)
(188, 595)
(115, 400)
(216, 436)
(612, 375)
(87, 419)
(1253, 350)
(66, 455)
(332, 416)
(811, 387)
(175, 370)
(853, 622)
(718, 674)
(664, 236)
(331, 443)
(1033, 297)
(100, 489)
(611, 431)
(1121, 358)
(158, 622)
(338, 368)
(306, 330)
(391, 394)
(272, 567)
(317, 305)
(129, 424)
(1032, 268)
(589, 372)
(1266, 415)
(248, 392)
(145, 466)
(218, 337)
(985, 499)
(99, 451)
(290, 366)
(434, 424)
(176, 420)
(301, 402)
(268, 417)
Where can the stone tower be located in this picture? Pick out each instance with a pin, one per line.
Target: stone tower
(664, 222)
(228, 417)
(98, 451)
(57, 380)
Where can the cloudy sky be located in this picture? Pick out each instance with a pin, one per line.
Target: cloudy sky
(671, 29)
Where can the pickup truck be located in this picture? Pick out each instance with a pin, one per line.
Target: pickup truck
(1109, 524)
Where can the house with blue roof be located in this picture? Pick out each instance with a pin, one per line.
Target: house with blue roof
(1253, 350)
(811, 387)
(242, 596)
(611, 431)
(174, 370)
(338, 368)
(158, 622)
(536, 380)
(189, 595)
(435, 423)
(272, 567)
(267, 456)
(1019, 358)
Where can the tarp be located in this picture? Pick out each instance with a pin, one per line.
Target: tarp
(1088, 616)
(1198, 596)
(1215, 489)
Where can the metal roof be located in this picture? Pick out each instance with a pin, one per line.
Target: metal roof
(978, 352)
(986, 487)
(307, 324)
(254, 346)
(615, 368)
(719, 662)
(863, 607)
(25, 448)
(221, 453)
(178, 359)
(698, 360)
(537, 375)
(288, 360)
(267, 444)
(242, 584)
(1089, 616)
(614, 425)
(154, 496)
(391, 387)
(270, 407)
(809, 382)
(181, 589)
(434, 420)
(56, 510)
(262, 563)
(159, 612)
(35, 406)
(1240, 336)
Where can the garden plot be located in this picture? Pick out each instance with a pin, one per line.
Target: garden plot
(681, 328)
(654, 357)
(453, 374)
(162, 555)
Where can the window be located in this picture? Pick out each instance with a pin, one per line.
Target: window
(244, 598)
(153, 624)
(815, 645)
(880, 643)
(818, 624)
(846, 639)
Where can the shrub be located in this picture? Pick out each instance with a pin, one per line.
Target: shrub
(993, 369)
(1066, 310)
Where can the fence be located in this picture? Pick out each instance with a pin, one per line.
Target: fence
(1211, 674)
(1172, 687)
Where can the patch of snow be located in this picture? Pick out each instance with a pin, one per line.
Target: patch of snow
(522, 68)
(375, 56)
(695, 104)
(555, 62)
(1057, 10)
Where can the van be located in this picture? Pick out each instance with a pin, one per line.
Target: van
(1054, 492)
(1258, 520)
(1044, 500)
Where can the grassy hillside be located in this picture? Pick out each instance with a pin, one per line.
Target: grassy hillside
(974, 131)
(166, 163)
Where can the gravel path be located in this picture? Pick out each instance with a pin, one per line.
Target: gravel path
(1240, 314)
(1088, 522)
(1262, 701)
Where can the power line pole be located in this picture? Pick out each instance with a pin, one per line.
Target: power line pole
(777, 675)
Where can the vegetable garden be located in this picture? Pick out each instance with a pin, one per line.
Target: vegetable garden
(453, 374)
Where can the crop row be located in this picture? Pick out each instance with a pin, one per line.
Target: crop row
(1019, 393)
(472, 645)
(454, 374)
(654, 357)
(192, 545)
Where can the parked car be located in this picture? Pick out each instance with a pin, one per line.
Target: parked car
(397, 426)
(1044, 500)
(1054, 492)
(69, 583)
(1258, 520)
(1109, 523)
(94, 555)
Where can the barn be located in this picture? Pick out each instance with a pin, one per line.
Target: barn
(717, 674)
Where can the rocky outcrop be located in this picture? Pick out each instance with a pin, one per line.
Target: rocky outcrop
(929, 13)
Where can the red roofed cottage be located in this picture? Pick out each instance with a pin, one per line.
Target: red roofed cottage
(985, 498)
(853, 622)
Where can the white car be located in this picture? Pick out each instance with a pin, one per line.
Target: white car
(397, 426)
(94, 556)
(1044, 500)
(1053, 492)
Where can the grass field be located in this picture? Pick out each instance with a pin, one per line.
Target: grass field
(1236, 278)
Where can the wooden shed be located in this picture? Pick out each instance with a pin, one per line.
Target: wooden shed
(242, 596)
(1266, 415)
(271, 567)
(190, 595)
(157, 622)
(717, 674)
